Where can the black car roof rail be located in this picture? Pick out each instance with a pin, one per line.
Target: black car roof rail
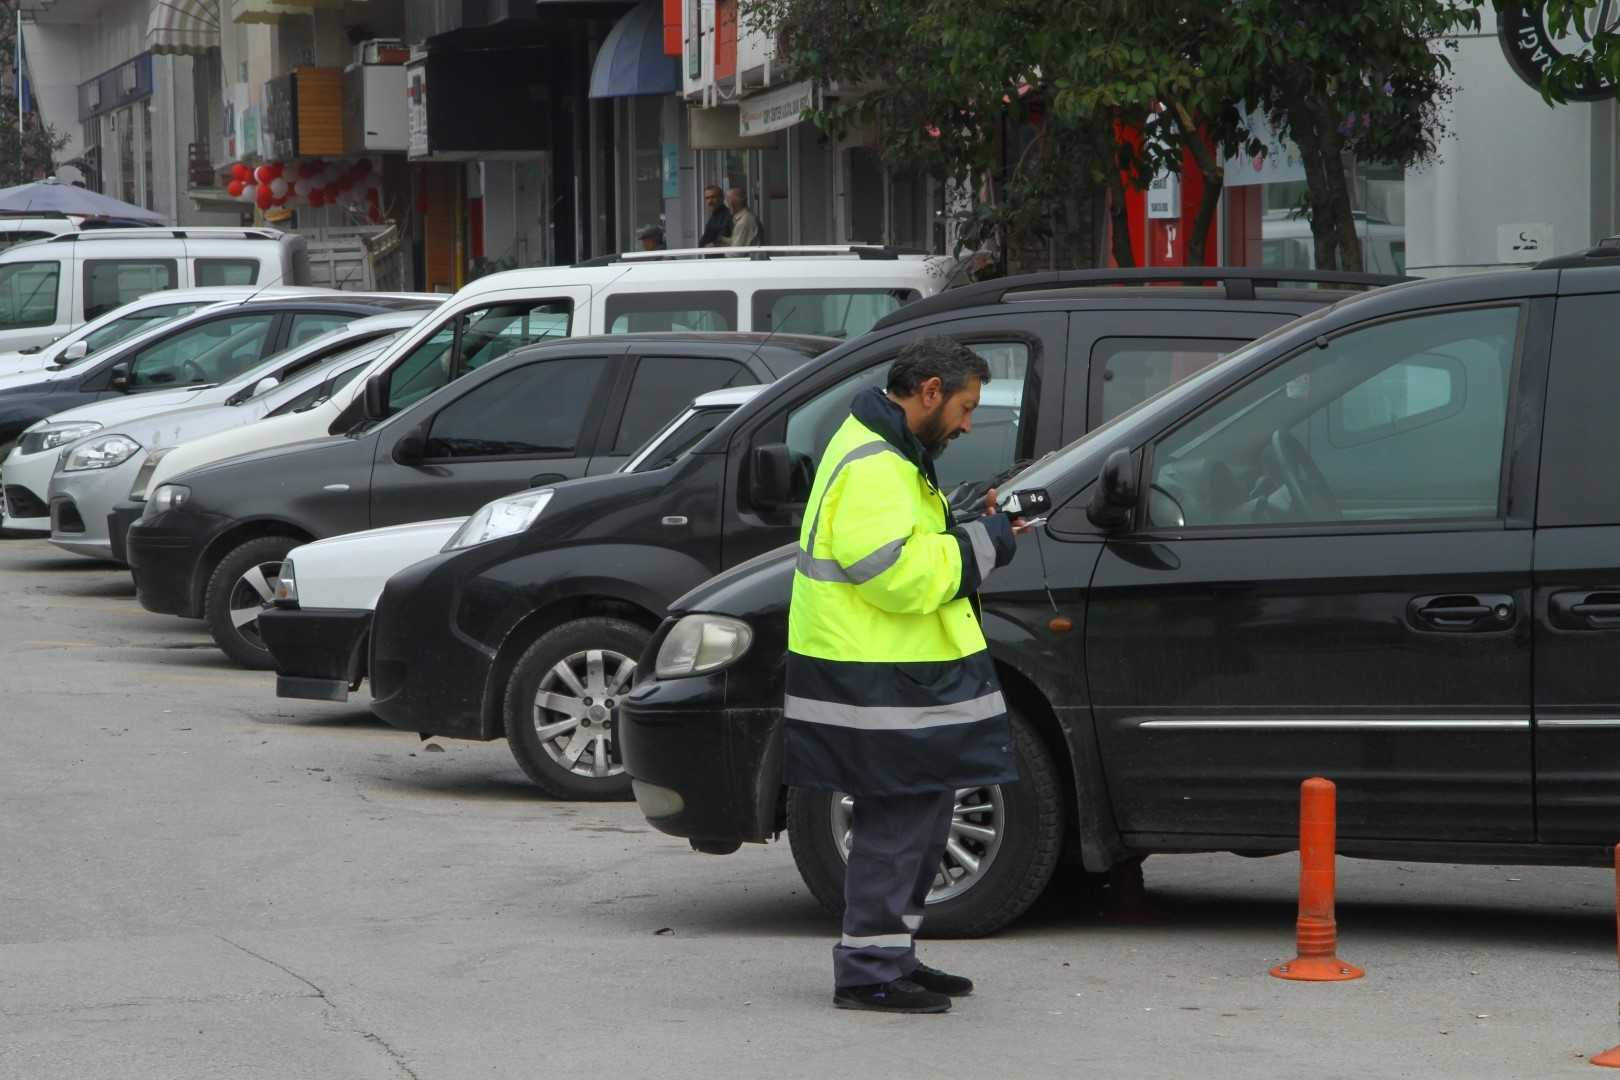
(1607, 250)
(860, 251)
(1239, 281)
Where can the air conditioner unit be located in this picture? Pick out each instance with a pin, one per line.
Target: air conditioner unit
(382, 51)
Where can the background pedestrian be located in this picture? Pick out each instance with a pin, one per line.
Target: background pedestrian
(745, 227)
(717, 230)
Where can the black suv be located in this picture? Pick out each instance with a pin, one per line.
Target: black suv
(1377, 546)
(478, 643)
(536, 416)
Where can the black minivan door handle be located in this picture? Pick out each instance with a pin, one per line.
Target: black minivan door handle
(546, 478)
(1465, 613)
(1584, 610)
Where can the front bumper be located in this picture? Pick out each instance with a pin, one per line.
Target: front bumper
(119, 519)
(163, 552)
(426, 677)
(709, 771)
(81, 503)
(25, 480)
(319, 653)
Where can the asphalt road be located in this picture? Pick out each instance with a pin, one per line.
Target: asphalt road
(200, 880)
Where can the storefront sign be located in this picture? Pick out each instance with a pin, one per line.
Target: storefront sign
(1281, 163)
(1164, 196)
(672, 170)
(416, 115)
(1524, 243)
(762, 114)
(1531, 47)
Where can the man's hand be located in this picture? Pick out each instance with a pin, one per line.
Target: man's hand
(990, 507)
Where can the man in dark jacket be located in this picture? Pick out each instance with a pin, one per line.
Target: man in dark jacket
(717, 230)
(891, 693)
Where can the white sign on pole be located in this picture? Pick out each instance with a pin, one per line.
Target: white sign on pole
(762, 114)
(1164, 196)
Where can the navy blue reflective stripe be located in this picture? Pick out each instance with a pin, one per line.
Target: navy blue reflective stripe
(899, 762)
(914, 684)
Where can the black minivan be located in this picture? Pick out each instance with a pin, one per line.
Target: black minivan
(1379, 545)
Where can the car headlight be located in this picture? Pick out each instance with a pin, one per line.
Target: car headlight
(143, 476)
(699, 644)
(169, 497)
(286, 585)
(101, 453)
(503, 517)
(49, 436)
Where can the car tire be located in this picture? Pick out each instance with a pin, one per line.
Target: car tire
(240, 587)
(1012, 871)
(586, 665)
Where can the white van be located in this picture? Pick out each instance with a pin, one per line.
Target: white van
(838, 291)
(49, 287)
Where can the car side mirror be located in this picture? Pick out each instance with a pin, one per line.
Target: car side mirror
(770, 479)
(76, 351)
(411, 448)
(376, 397)
(269, 382)
(120, 377)
(1114, 501)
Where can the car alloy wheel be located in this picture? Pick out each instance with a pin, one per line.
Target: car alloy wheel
(241, 586)
(573, 709)
(977, 820)
(254, 591)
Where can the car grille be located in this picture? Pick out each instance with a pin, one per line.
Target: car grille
(22, 503)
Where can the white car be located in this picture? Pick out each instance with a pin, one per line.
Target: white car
(334, 583)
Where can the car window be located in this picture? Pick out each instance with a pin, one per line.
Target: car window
(1128, 371)
(471, 339)
(1580, 442)
(307, 325)
(111, 283)
(28, 293)
(631, 313)
(536, 409)
(206, 353)
(990, 449)
(677, 441)
(1404, 420)
(135, 321)
(840, 313)
(663, 385)
(226, 272)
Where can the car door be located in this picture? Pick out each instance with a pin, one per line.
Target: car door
(531, 424)
(203, 353)
(1019, 417)
(471, 338)
(653, 388)
(1329, 577)
(1577, 577)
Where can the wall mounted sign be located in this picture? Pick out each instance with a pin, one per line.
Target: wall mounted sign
(1530, 47)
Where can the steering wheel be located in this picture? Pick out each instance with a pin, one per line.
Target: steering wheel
(1304, 481)
(193, 372)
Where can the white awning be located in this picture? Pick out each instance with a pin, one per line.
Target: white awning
(183, 27)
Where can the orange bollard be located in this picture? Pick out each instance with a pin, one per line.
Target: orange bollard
(1611, 1058)
(1317, 930)
(1127, 895)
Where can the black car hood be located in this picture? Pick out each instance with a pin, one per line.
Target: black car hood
(759, 586)
(284, 452)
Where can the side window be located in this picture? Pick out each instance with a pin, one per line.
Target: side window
(226, 271)
(840, 313)
(119, 329)
(205, 353)
(1580, 442)
(471, 339)
(631, 313)
(991, 448)
(1128, 371)
(308, 325)
(28, 293)
(663, 386)
(1401, 421)
(533, 410)
(110, 283)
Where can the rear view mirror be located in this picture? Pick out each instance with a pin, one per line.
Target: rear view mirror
(269, 382)
(376, 397)
(1115, 499)
(120, 377)
(770, 479)
(76, 351)
(411, 447)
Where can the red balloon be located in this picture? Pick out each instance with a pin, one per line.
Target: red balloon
(264, 198)
(315, 199)
(344, 184)
(235, 188)
(306, 170)
(239, 171)
(371, 195)
(276, 170)
(362, 166)
(262, 174)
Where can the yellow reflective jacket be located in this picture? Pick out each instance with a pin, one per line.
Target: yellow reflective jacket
(890, 689)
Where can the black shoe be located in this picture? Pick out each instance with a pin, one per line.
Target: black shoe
(941, 983)
(899, 996)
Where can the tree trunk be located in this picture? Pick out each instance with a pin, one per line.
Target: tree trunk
(1214, 175)
(1313, 124)
(1119, 221)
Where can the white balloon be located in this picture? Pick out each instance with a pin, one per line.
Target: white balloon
(278, 187)
(302, 186)
(373, 179)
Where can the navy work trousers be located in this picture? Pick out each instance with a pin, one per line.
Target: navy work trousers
(896, 842)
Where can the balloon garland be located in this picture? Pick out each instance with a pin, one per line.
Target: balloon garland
(313, 183)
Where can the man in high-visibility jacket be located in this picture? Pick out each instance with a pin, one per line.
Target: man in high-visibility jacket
(891, 693)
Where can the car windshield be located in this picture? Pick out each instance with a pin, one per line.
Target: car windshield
(1049, 470)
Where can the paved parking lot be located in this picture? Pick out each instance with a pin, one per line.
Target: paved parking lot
(198, 879)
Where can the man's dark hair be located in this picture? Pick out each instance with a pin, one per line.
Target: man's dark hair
(939, 355)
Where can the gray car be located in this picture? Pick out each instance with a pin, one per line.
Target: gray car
(94, 474)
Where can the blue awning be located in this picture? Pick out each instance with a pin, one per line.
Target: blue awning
(632, 59)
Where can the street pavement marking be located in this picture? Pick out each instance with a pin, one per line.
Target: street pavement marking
(307, 729)
(64, 644)
(82, 607)
(210, 679)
